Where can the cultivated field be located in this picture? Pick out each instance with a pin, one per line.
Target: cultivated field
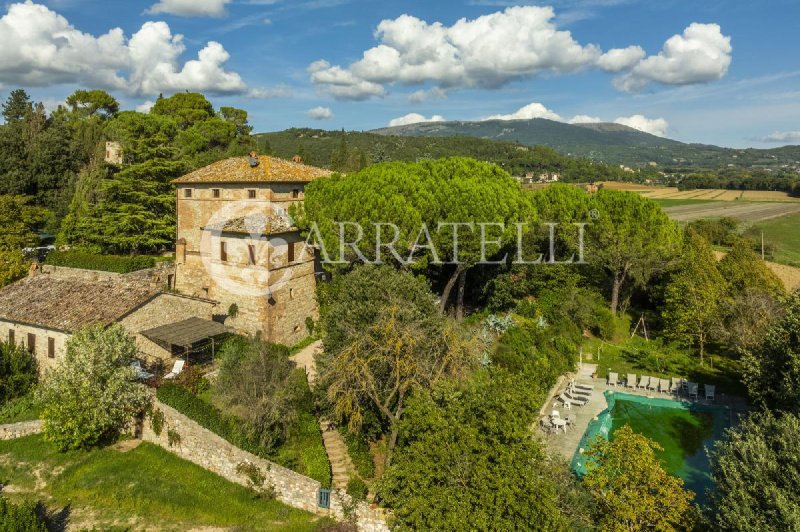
(672, 193)
(742, 211)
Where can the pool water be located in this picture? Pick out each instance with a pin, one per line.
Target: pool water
(684, 431)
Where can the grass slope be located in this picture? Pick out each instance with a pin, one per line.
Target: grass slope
(783, 235)
(146, 487)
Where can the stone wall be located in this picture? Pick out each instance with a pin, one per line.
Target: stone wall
(21, 429)
(65, 272)
(211, 452)
(42, 337)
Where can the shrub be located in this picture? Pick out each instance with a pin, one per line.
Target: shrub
(358, 449)
(17, 371)
(357, 489)
(257, 383)
(157, 422)
(20, 517)
(93, 261)
(173, 438)
(209, 417)
(93, 393)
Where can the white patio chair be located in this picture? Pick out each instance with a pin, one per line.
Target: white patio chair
(710, 390)
(663, 385)
(631, 382)
(643, 382)
(613, 378)
(693, 390)
(653, 385)
(177, 368)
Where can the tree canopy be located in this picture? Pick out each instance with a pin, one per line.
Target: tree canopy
(694, 295)
(92, 393)
(756, 473)
(630, 487)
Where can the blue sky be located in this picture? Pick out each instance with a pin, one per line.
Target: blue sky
(728, 75)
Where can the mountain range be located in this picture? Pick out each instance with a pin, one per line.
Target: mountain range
(605, 142)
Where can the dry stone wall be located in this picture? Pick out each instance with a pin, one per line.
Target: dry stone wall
(13, 431)
(204, 448)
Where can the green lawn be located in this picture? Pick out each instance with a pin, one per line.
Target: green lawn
(784, 234)
(642, 358)
(146, 487)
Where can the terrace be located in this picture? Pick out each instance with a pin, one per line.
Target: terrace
(682, 426)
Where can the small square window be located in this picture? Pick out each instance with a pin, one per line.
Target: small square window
(290, 253)
(251, 194)
(223, 251)
(51, 348)
(187, 193)
(215, 193)
(296, 193)
(251, 253)
(31, 343)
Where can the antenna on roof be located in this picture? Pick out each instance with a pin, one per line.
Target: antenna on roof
(253, 159)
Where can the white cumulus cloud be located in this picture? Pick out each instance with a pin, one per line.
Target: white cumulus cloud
(486, 52)
(190, 8)
(145, 106)
(40, 48)
(532, 110)
(584, 119)
(620, 59)
(699, 55)
(421, 96)
(320, 113)
(414, 118)
(782, 136)
(654, 126)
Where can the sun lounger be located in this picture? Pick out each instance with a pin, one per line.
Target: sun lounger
(653, 384)
(139, 371)
(693, 390)
(643, 382)
(663, 385)
(177, 368)
(613, 378)
(577, 391)
(581, 385)
(568, 400)
(631, 381)
(710, 390)
(675, 386)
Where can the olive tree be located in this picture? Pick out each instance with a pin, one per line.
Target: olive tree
(92, 394)
(380, 351)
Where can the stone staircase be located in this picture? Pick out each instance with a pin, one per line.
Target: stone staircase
(342, 467)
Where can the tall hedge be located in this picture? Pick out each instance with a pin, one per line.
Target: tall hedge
(107, 263)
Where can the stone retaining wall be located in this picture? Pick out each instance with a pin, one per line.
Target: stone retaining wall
(13, 431)
(211, 452)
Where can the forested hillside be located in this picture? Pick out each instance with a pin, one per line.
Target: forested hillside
(610, 143)
(351, 151)
(57, 162)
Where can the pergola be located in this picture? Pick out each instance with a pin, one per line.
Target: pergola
(186, 334)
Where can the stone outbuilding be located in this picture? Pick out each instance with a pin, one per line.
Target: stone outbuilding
(43, 310)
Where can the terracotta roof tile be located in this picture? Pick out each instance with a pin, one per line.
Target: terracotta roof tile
(70, 304)
(269, 170)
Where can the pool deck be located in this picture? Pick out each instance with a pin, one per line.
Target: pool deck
(565, 444)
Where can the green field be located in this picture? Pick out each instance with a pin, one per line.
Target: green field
(784, 235)
(143, 488)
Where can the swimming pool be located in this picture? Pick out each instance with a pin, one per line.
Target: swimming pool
(683, 429)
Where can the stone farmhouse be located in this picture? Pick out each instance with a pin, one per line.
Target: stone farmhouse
(43, 310)
(236, 249)
(236, 244)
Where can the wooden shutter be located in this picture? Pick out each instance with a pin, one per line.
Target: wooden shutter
(32, 343)
(51, 348)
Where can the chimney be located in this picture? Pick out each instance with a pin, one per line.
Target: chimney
(253, 159)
